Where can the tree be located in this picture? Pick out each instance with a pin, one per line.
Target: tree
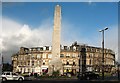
(7, 67)
(56, 73)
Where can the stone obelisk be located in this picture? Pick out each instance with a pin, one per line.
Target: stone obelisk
(56, 63)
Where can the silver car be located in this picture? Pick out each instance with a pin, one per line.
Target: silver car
(11, 76)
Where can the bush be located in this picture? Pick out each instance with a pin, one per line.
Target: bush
(55, 73)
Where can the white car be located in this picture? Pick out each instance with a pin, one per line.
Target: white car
(11, 76)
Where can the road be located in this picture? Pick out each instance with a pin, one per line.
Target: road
(62, 81)
(35, 80)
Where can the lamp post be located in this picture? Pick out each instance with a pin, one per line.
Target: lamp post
(118, 65)
(103, 51)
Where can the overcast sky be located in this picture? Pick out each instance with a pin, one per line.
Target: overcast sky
(31, 24)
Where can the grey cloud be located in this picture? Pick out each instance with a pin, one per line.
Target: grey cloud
(23, 36)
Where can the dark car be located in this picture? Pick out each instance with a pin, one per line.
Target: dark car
(88, 76)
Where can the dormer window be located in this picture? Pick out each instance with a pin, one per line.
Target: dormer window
(47, 48)
(38, 49)
(41, 48)
(65, 47)
(44, 48)
(74, 48)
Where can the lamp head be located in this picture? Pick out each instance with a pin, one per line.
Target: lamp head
(106, 28)
(100, 30)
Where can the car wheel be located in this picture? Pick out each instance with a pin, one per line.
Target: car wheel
(20, 79)
(4, 79)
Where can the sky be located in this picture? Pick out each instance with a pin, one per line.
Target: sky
(60, 0)
(30, 24)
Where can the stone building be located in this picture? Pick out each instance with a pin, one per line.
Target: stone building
(37, 59)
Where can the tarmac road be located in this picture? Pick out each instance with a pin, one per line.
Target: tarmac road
(63, 81)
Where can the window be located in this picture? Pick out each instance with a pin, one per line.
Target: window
(44, 48)
(68, 55)
(49, 55)
(32, 56)
(44, 55)
(21, 63)
(74, 55)
(28, 62)
(71, 48)
(30, 49)
(73, 63)
(26, 51)
(24, 63)
(38, 49)
(91, 55)
(90, 61)
(92, 49)
(62, 47)
(65, 47)
(68, 48)
(67, 63)
(44, 63)
(41, 48)
(47, 48)
(32, 63)
(34, 49)
(74, 48)
(61, 55)
(38, 55)
(7, 73)
(38, 62)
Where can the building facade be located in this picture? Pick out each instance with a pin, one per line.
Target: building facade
(37, 59)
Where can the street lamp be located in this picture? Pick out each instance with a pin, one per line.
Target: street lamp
(103, 50)
(118, 65)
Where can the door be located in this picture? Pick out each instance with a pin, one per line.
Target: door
(9, 76)
(14, 76)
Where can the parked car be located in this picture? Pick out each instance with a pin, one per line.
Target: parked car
(11, 76)
(88, 76)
